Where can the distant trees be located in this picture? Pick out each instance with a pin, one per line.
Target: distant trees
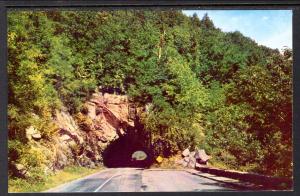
(202, 87)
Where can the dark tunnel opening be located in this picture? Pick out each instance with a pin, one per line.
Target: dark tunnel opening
(119, 153)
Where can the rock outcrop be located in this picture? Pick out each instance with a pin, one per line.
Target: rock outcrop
(82, 139)
(32, 133)
(193, 159)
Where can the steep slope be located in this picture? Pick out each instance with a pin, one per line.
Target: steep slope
(82, 139)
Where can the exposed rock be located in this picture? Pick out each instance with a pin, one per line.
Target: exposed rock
(91, 110)
(192, 154)
(73, 145)
(32, 132)
(65, 121)
(192, 162)
(186, 152)
(113, 108)
(65, 138)
(194, 159)
(19, 167)
(186, 159)
(75, 135)
(109, 116)
(61, 159)
(83, 161)
(104, 119)
(98, 126)
(36, 136)
(99, 111)
(201, 156)
(102, 139)
(92, 165)
(21, 171)
(101, 145)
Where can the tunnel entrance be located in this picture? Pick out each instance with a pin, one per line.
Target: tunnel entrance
(122, 152)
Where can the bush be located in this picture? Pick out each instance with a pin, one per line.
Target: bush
(84, 122)
(227, 132)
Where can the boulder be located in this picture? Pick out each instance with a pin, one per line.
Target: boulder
(32, 132)
(99, 111)
(36, 136)
(65, 138)
(186, 159)
(197, 165)
(65, 121)
(23, 173)
(192, 154)
(20, 167)
(192, 162)
(201, 156)
(186, 152)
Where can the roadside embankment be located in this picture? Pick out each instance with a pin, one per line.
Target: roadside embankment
(62, 176)
(261, 181)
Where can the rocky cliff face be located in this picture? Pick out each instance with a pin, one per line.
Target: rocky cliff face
(81, 139)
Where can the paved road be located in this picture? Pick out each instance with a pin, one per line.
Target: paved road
(141, 180)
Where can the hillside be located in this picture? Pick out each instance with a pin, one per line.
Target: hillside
(189, 83)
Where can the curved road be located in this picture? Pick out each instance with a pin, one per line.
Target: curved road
(142, 180)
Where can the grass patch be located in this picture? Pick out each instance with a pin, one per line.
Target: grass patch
(66, 175)
(219, 165)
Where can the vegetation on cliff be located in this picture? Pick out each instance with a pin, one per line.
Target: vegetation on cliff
(200, 86)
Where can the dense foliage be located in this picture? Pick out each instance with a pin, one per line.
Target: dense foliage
(200, 86)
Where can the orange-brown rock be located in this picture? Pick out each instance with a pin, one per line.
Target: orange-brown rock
(82, 139)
